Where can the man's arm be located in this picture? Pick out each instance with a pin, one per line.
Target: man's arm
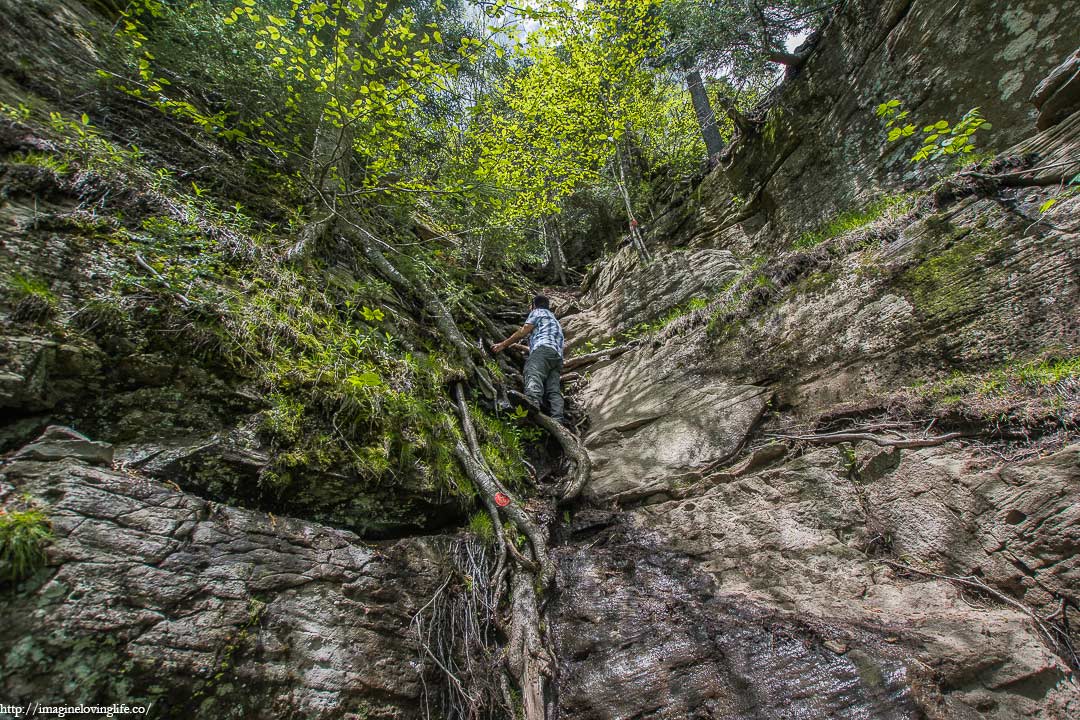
(524, 332)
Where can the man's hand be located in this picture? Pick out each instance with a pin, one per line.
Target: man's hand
(525, 330)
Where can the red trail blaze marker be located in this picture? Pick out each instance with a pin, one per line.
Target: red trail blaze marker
(501, 499)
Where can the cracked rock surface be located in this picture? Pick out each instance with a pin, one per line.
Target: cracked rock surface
(223, 612)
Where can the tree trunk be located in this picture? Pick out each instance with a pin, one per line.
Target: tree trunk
(330, 166)
(714, 144)
(740, 121)
(556, 257)
(635, 232)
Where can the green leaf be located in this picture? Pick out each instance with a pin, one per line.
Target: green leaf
(365, 380)
(1047, 205)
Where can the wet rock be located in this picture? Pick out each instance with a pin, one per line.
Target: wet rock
(643, 634)
(58, 443)
(796, 541)
(153, 595)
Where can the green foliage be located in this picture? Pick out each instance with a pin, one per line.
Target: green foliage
(481, 526)
(1072, 189)
(22, 287)
(887, 206)
(502, 447)
(23, 536)
(736, 38)
(940, 138)
(56, 164)
(1024, 390)
(562, 115)
(34, 300)
(292, 75)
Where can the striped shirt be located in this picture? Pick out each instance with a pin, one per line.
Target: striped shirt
(546, 330)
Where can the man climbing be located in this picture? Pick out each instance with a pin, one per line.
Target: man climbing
(545, 355)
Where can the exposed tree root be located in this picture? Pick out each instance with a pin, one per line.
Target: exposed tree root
(157, 276)
(1056, 634)
(589, 358)
(842, 437)
(581, 465)
(527, 653)
(489, 485)
(455, 632)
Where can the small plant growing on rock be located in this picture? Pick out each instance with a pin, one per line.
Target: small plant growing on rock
(23, 536)
(34, 301)
(940, 138)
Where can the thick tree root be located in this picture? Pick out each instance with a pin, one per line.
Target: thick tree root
(581, 465)
(489, 485)
(833, 438)
(527, 654)
(605, 354)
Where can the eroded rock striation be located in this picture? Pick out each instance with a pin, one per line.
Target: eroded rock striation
(156, 596)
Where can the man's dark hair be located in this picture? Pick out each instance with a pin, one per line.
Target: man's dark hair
(540, 302)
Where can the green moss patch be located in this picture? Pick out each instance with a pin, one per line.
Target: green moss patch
(887, 206)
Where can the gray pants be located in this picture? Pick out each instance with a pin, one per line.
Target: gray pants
(542, 378)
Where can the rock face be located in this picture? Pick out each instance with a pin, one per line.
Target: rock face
(709, 572)
(820, 149)
(154, 595)
(620, 293)
(839, 580)
(653, 426)
(757, 597)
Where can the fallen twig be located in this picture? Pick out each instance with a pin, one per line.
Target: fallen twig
(161, 279)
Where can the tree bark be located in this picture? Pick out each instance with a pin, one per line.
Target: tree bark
(635, 231)
(714, 144)
(526, 652)
(556, 257)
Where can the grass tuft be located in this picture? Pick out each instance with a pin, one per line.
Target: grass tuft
(481, 526)
(23, 536)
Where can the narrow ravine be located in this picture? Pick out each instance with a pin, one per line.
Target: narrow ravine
(258, 459)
